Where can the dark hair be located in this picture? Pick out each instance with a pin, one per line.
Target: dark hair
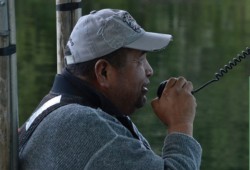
(117, 59)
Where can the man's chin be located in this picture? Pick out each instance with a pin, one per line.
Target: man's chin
(141, 102)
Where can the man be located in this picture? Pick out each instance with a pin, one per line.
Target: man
(83, 123)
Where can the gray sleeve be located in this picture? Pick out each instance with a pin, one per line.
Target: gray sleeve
(125, 153)
(181, 152)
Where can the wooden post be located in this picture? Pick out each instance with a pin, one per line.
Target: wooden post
(67, 14)
(8, 87)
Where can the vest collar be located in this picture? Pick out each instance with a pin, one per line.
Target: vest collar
(68, 84)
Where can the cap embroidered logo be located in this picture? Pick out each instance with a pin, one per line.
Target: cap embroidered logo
(127, 18)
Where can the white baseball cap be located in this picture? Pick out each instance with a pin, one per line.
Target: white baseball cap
(102, 32)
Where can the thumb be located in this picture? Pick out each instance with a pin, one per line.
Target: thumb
(155, 104)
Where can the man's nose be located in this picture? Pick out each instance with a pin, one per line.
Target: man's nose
(148, 70)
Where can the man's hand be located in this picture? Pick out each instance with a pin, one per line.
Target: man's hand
(177, 106)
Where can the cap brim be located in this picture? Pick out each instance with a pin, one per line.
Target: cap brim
(150, 41)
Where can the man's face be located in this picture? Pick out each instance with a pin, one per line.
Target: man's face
(130, 82)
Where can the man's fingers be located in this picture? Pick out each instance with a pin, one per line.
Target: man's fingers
(188, 86)
(155, 104)
(181, 81)
(170, 84)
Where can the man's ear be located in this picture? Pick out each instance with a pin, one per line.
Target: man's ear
(102, 69)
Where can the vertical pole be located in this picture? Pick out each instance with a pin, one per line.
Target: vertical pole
(8, 87)
(67, 14)
(13, 85)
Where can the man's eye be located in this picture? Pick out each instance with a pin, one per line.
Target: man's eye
(138, 61)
